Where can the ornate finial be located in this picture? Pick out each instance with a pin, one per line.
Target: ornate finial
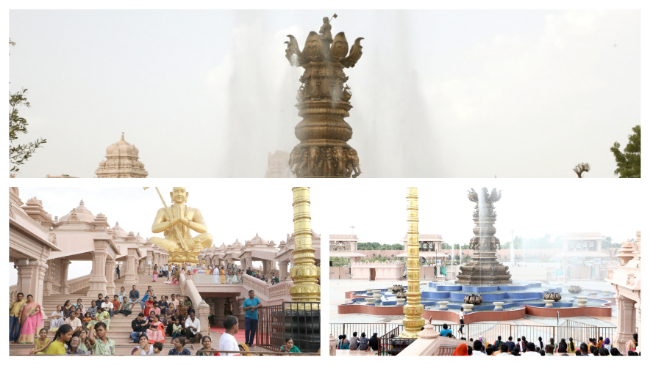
(81, 203)
(117, 223)
(122, 136)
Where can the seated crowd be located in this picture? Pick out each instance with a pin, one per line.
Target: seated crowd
(481, 347)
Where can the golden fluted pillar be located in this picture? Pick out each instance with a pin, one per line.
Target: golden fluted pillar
(413, 321)
(304, 272)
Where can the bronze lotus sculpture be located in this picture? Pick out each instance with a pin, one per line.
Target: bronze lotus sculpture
(552, 296)
(401, 294)
(397, 288)
(473, 299)
(323, 102)
(575, 289)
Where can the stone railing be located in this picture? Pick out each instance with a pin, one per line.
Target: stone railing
(200, 306)
(280, 291)
(79, 283)
(377, 263)
(261, 288)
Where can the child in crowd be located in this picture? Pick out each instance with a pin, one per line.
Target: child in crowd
(157, 348)
(178, 329)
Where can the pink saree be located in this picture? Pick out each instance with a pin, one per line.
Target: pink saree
(31, 324)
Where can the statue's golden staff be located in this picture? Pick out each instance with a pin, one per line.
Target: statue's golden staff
(170, 216)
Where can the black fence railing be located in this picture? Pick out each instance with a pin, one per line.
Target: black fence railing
(348, 329)
(299, 321)
(490, 331)
(269, 328)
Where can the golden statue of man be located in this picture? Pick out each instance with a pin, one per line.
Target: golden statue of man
(177, 221)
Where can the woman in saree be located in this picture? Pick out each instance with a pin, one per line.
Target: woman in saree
(103, 316)
(222, 273)
(461, 350)
(155, 274)
(31, 320)
(56, 319)
(156, 331)
(147, 306)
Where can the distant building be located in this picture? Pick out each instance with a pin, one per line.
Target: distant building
(278, 165)
(63, 176)
(122, 161)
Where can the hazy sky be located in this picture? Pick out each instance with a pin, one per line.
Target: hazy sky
(437, 93)
(238, 210)
(530, 209)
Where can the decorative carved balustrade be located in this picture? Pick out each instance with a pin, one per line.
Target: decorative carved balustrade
(261, 288)
(79, 283)
(280, 291)
(202, 308)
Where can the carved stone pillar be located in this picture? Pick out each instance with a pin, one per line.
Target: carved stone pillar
(238, 308)
(149, 263)
(110, 278)
(130, 267)
(283, 270)
(98, 279)
(266, 266)
(637, 305)
(203, 314)
(626, 321)
(31, 274)
(63, 279)
(48, 282)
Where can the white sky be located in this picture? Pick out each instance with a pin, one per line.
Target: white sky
(437, 93)
(237, 208)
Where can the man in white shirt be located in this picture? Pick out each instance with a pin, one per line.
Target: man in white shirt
(74, 322)
(192, 327)
(227, 342)
(531, 350)
(108, 306)
(478, 346)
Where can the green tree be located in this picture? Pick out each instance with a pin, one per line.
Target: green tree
(397, 246)
(629, 161)
(445, 246)
(19, 153)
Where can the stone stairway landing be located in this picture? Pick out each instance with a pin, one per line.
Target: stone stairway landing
(120, 326)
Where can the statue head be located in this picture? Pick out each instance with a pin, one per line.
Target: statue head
(326, 20)
(179, 195)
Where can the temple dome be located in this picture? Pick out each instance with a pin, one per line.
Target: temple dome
(122, 148)
(119, 231)
(80, 214)
(122, 161)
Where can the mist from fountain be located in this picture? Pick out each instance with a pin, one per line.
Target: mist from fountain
(512, 248)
